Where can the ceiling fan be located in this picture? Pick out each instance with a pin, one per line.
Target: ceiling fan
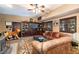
(36, 8)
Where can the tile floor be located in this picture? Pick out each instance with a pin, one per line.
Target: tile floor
(14, 46)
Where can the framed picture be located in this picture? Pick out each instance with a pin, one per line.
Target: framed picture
(8, 23)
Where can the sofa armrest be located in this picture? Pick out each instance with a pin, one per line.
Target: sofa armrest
(37, 45)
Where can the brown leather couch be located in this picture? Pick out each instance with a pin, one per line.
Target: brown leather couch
(59, 45)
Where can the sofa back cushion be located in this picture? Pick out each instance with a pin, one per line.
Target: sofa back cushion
(48, 33)
(56, 35)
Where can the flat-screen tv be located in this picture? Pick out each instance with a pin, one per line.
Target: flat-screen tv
(33, 25)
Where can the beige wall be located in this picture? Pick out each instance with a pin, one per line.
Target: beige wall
(56, 28)
(11, 18)
(2, 26)
(61, 10)
(65, 11)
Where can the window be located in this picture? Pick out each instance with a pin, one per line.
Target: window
(68, 25)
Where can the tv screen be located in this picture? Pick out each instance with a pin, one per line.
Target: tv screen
(33, 26)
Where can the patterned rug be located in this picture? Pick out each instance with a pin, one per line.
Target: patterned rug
(25, 46)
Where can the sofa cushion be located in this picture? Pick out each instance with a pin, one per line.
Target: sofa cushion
(48, 33)
(56, 35)
(52, 35)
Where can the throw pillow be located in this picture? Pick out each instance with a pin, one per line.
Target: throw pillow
(56, 35)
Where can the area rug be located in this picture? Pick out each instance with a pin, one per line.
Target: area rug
(25, 46)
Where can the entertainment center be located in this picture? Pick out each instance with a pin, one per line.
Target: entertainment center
(31, 28)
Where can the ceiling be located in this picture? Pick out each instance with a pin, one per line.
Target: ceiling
(22, 9)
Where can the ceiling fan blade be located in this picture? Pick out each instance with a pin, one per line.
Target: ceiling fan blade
(31, 4)
(42, 6)
(29, 9)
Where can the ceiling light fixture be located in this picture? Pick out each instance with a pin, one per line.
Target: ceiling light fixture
(36, 8)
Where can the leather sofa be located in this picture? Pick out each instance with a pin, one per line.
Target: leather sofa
(58, 45)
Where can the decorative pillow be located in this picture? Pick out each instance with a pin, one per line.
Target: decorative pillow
(56, 35)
